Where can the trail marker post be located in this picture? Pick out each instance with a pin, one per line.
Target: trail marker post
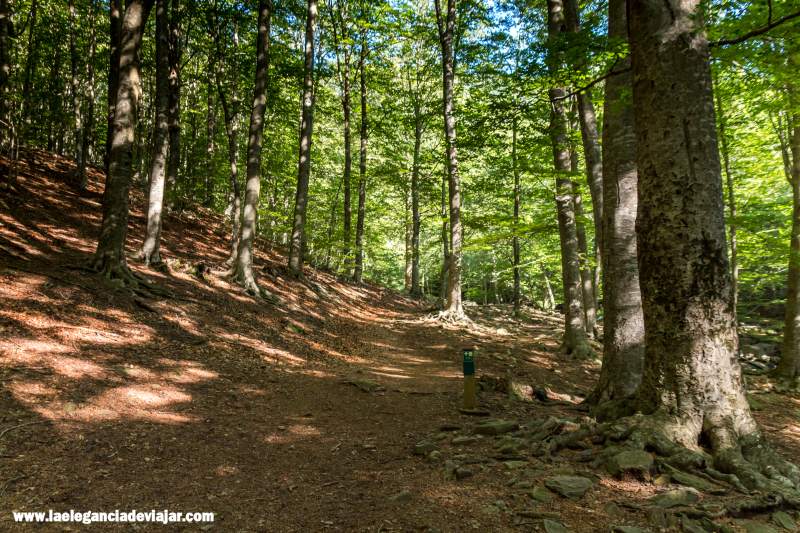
(470, 400)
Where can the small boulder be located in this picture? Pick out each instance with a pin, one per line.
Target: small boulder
(636, 462)
(465, 439)
(541, 494)
(401, 497)
(628, 529)
(784, 520)
(424, 448)
(675, 498)
(758, 527)
(572, 487)
(462, 472)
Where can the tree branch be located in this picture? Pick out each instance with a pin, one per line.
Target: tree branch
(758, 31)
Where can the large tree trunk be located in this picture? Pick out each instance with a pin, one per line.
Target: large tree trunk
(243, 267)
(358, 271)
(6, 33)
(446, 24)
(691, 372)
(623, 324)
(109, 258)
(575, 339)
(234, 208)
(150, 252)
(515, 248)
(415, 216)
(789, 366)
(174, 116)
(408, 241)
(304, 160)
(115, 33)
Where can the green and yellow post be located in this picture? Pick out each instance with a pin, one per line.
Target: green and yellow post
(470, 399)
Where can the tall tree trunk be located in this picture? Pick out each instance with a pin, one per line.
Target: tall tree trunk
(88, 126)
(115, 8)
(789, 365)
(6, 34)
(211, 123)
(731, 197)
(109, 258)
(304, 162)
(446, 24)
(409, 255)
(445, 235)
(623, 323)
(415, 216)
(348, 164)
(358, 271)
(174, 116)
(575, 340)
(235, 204)
(150, 252)
(692, 380)
(550, 299)
(515, 248)
(243, 267)
(75, 93)
(31, 63)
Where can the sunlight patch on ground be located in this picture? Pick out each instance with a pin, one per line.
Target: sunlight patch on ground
(292, 433)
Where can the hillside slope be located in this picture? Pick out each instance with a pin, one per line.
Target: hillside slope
(296, 416)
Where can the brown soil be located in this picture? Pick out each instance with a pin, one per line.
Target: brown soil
(299, 416)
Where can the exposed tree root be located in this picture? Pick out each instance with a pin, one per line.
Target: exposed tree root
(120, 276)
(579, 351)
(751, 467)
(446, 316)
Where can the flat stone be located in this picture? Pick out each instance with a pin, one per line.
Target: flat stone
(628, 529)
(424, 448)
(465, 439)
(496, 427)
(401, 497)
(675, 498)
(637, 462)
(463, 472)
(449, 427)
(784, 520)
(569, 486)
(515, 465)
(541, 494)
(551, 526)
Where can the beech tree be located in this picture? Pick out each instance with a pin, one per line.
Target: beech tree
(446, 22)
(692, 383)
(575, 337)
(109, 257)
(304, 165)
(243, 266)
(623, 326)
(150, 252)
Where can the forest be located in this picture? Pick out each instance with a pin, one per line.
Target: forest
(258, 257)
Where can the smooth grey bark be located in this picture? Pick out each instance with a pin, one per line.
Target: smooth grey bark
(229, 112)
(115, 11)
(446, 23)
(174, 115)
(575, 343)
(730, 197)
(408, 256)
(150, 253)
(109, 257)
(304, 161)
(623, 323)
(691, 373)
(515, 247)
(789, 365)
(358, 270)
(243, 265)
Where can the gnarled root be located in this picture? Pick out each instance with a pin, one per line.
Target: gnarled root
(120, 276)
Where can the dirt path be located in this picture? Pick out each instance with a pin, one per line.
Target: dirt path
(300, 416)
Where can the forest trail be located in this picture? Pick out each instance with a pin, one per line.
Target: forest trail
(298, 416)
